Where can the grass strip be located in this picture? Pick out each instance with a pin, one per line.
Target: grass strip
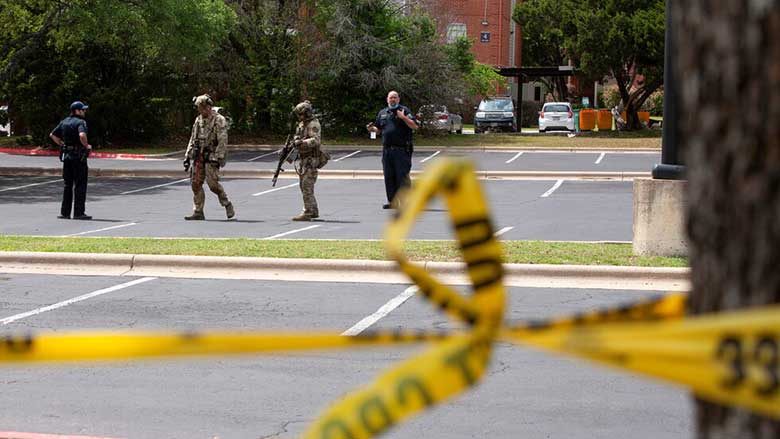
(521, 252)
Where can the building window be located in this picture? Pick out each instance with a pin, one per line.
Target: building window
(537, 93)
(455, 31)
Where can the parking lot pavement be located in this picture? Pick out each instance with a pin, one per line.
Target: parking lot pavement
(357, 159)
(349, 209)
(524, 394)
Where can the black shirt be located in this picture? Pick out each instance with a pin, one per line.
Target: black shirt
(68, 130)
(395, 132)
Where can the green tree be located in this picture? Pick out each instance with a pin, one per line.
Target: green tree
(479, 79)
(358, 50)
(546, 27)
(613, 38)
(129, 60)
(623, 39)
(256, 69)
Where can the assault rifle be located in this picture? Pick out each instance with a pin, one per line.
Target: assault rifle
(195, 157)
(289, 152)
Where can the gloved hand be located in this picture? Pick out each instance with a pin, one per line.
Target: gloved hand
(186, 164)
(222, 162)
(298, 142)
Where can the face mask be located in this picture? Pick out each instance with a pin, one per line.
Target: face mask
(394, 106)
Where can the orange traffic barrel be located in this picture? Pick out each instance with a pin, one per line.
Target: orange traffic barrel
(587, 119)
(604, 120)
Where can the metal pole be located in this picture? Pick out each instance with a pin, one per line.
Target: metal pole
(671, 166)
(521, 80)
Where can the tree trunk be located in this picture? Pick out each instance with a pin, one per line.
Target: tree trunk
(728, 64)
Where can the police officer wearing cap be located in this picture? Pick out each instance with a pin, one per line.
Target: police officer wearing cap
(71, 136)
(396, 124)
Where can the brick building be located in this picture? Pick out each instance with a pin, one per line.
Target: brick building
(489, 23)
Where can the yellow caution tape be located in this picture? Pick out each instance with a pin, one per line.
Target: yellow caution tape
(730, 358)
(124, 346)
(457, 364)
(670, 306)
(76, 346)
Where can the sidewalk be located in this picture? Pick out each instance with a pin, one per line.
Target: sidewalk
(336, 270)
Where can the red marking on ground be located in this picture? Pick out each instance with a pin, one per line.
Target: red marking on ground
(50, 152)
(20, 435)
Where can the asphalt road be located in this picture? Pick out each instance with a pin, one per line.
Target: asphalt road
(568, 210)
(525, 393)
(357, 159)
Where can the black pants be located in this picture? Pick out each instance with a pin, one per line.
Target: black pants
(75, 173)
(396, 165)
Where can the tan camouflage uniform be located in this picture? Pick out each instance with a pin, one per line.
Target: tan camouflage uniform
(307, 137)
(212, 134)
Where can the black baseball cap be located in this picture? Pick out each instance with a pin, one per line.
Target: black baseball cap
(78, 105)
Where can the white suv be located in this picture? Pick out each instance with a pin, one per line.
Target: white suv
(556, 116)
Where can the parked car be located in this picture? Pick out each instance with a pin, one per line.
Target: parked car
(495, 114)
(556, 116)
(437, 117)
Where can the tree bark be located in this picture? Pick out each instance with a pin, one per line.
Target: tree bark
(728, 59)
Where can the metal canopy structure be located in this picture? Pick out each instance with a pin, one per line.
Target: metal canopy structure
(525, 73)
(537, 72)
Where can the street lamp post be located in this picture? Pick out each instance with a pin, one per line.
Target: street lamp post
(671, 166)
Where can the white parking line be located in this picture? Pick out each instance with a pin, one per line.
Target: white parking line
(601, 157)
(347, 156)
(29, 185)
(16, 317)
(102, 230)
(430, 157)
(552, 189)
(264, 155)
(515, 157)
(275, 189)
(291, 232)
(386, 309)
(154, 187)
(502, 231)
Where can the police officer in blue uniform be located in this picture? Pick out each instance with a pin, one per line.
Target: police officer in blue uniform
(71, 136)
(395, 123)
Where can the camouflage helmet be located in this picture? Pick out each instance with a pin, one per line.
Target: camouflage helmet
(305, 109)
(202, 100)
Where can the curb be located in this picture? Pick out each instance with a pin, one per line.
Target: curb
(336, 174)
(335, 270)
(93, 154)
(271, 148)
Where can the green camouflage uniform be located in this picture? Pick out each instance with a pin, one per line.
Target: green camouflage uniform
(308, 132)
(211, 132)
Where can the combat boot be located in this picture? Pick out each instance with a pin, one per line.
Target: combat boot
(303, 217)
(196, 216)
(229, 211)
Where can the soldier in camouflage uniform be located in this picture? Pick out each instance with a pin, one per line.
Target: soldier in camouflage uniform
(307, 140)
(210, 132)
